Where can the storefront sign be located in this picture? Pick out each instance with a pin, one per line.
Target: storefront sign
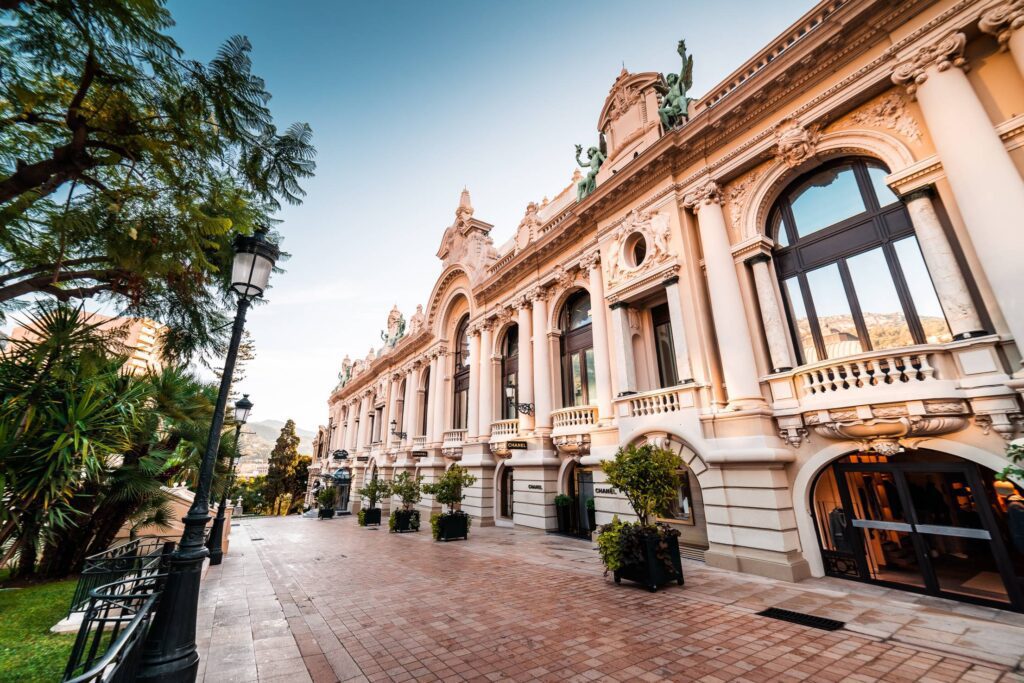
(535, 487)
(516, 445)
(608, 490)
(419, 454)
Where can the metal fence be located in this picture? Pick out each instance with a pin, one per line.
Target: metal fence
(109, 644)
(137, 558)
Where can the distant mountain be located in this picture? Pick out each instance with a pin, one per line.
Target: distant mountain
(258, 439)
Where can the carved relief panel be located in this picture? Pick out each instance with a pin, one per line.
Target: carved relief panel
(639, 246)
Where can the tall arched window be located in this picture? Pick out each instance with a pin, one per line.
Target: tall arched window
(579, 381)
(851, 271)
(460, 386)
(510, 373)
(425, 402)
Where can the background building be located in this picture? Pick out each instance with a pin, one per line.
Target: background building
(810, 287)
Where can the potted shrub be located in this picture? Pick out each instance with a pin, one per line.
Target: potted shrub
(373, 491)
(407, 488)
(562, 512)
(641, 551)
(448, 490)
(325, 499)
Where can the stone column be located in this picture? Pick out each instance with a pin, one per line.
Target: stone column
(438, 396)
(364, 423)
(525, 378)
(409, 407)
(731, 331)
(988, 188)
(396, 383)
(599, 323)
(1005, 21)
(675, 314)
(775, 331)
(473, 414)
(486, 379)
(949, 282)
(431, 405)
(625, 364)
(541, 362)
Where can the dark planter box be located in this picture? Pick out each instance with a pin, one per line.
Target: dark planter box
(403, 521)
(452, 527)
(372, 516)
(563, 513)
(326, 513)
(592, 519)
(652, 572)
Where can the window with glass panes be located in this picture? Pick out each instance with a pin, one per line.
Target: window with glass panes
(664, 346)
(579, 380)
(852, 274)
(460, 385)
(510, 373)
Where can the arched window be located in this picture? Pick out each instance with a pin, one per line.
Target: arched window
(851, 271)
(425, 402)
(510, 373)
(460, 387)
(579, 382)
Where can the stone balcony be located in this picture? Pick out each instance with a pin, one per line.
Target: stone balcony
(572, 427)
(880, 397)
(502, 432)
(452, 442)
(419, 443)
(657, 402)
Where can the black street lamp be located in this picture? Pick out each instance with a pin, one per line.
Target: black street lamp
(524, 408)
(400, 435)
(170, 654)
(243, 406)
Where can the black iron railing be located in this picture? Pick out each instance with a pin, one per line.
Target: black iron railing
(137, 558)
(109, 645)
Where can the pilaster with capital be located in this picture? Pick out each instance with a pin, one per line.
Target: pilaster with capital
(485, 373)
(473, 412)
(771, 314)
(541, 361)
(985, 181)
(525, 379)
(599, 321)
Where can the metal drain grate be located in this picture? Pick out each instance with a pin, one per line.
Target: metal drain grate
(802, 619)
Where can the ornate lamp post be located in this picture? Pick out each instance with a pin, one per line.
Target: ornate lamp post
(242, 408)
(524, 408)
(170, 653)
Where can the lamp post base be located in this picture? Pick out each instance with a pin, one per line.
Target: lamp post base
(216, 543)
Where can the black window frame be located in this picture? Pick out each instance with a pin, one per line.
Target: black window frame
(510, 372)
(460, 378)
(668, 372)
(575, 342)
(878, 226)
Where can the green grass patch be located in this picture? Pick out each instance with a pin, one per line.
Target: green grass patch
(28, 651)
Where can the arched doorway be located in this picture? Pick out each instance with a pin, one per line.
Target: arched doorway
(924, 521)
(506, 490)
(579, 485)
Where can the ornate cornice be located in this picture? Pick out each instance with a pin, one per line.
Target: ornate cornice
(943, 54)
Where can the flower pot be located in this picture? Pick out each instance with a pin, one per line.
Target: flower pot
(453, 526)
(406, 520)
(372, 516)
(563, 513)
(652, 572)
(325, 513)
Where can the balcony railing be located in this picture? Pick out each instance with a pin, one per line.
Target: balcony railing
(577, 417)
(419, 443)
(860, 372)
(505, 429)
(659, 402)
(454, 438)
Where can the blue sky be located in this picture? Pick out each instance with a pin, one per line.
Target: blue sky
(411, 101)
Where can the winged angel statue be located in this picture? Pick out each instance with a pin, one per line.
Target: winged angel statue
(675, 105)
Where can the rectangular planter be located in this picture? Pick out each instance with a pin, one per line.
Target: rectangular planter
(452, 527)
(652, 572)
(563, 514)
(372, 516)
(403, 521)
(326, 513)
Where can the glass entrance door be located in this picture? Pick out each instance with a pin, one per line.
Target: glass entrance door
(927, 526)
(506, 492)
(582, 510)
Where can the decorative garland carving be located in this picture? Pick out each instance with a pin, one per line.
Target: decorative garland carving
(889, 112)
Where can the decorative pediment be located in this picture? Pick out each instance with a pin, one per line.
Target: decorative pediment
(529, 227)
(467, 242)
(630, 110)
(640, 234)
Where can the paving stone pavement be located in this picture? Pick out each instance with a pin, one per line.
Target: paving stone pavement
(305, 600)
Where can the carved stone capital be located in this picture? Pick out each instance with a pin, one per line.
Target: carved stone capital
(521, 301)
(591, 261)
(708, 193)
(538, 293)
(564, 277)
(943, 54)
(1002, 20)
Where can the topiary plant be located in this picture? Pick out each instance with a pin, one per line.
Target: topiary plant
(648, 476)
(407, 488)
(326, 497)
(374, 490)
(562, 500)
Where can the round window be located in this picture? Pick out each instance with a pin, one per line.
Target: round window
(635, 249)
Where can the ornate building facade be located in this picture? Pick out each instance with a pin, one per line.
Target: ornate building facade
(811, 287)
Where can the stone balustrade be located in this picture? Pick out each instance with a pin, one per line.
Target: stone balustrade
(569, 419)
(419, 443)
(878, 369)
(659, 402)
(454, 438)
(505, 429)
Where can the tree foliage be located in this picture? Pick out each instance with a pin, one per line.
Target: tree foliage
(647, 475)
(407, 488)
(288, 471)
(126, 168)
(374, 490)
(449, 487)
